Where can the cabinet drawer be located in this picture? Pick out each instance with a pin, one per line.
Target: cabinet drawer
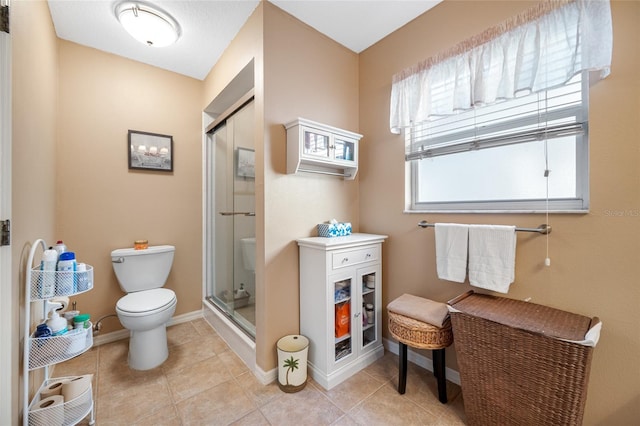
(353, 257)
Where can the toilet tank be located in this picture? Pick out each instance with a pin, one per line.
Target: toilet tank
(138, 270)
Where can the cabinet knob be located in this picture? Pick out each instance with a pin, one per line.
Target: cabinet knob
(368, 255)
(346, 259)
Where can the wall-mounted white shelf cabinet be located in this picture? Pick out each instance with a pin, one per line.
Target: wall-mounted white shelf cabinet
(317, 148)
(49, 407)
(341, 304)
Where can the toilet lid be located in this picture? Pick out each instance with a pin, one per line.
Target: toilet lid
(146, 300)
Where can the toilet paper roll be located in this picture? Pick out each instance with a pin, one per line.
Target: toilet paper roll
(76, 387)
(53, 388)
(64, 301)
(51, 412)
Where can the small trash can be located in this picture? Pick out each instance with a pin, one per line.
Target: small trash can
(292, 363)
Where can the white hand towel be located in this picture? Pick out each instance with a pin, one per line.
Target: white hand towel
(492, 256)
(451, 251)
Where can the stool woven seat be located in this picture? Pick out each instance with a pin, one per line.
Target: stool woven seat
(418, 334)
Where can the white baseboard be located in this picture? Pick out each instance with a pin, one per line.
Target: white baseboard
(102, 339)
(421, 360)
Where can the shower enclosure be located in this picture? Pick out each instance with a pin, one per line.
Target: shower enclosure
(230, 212)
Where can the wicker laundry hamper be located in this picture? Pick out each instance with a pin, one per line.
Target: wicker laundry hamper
(521, 363)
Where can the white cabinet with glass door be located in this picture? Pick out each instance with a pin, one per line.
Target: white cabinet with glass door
(341, 304)
(317, 148)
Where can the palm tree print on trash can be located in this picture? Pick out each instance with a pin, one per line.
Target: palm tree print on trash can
(292, 359)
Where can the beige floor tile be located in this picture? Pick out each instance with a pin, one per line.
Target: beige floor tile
(167, 416)
(181, 356)
(388, 407)
(219, 405)
(181, 333)
(422, 388)
(385, 368)
(352, 391)
(197, 377)
(233, 363)
(204, 383)
(259, 393)
(132, 401)
(307, 407)
(346, 420)
(254, 418)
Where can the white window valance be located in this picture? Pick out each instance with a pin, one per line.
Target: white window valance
(540, 49)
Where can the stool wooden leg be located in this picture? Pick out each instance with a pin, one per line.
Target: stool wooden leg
(402, 367)
(439, 372)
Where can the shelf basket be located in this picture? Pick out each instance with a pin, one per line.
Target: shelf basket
(45, 351)
(70, 413)
(50, 284)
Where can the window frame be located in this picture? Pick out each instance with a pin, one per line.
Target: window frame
(579, 204)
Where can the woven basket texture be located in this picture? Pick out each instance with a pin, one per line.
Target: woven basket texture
(419, 334)
(520, 375)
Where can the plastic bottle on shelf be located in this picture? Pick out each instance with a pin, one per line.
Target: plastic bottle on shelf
(67, 273)
(43, 330)
(56, 323)
(60, 247)
(371, 315)
(48, 268)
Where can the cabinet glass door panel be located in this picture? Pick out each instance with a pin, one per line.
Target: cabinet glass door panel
(370, 309)
(344, 150)
(316, 144)
(343, 307)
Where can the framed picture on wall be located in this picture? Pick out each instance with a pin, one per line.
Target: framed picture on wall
(150, 151)
(246, 163)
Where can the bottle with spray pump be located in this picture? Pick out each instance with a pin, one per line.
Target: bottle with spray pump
(56, 323)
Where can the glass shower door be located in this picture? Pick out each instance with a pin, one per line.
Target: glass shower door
(231, 213)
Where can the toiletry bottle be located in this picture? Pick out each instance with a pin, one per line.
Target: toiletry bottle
(67, 273)
(371, 315)
(43, 330)
(60, 247)
(48, 268)
(56, 323)
(82, 277)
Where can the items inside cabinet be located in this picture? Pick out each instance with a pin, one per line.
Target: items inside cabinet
(61, 400)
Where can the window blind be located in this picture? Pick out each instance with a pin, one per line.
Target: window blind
(540, 116)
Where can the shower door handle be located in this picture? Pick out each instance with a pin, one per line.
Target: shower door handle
(237, 213)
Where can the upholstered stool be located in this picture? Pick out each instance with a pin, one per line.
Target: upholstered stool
(421, 323)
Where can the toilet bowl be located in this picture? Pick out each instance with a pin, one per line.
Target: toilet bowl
(147, 307)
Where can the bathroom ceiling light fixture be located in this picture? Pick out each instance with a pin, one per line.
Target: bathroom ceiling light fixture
(148, 24)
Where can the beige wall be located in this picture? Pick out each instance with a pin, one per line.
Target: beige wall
(89, 198)
(298, 73)
(101, 205)
(306, 75)
(594, 256)
(34, 121)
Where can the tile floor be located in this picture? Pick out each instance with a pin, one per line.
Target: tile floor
(204, 383)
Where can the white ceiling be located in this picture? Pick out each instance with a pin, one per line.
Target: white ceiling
(208, 26)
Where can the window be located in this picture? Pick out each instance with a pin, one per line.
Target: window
(477, 141)
(495, 158)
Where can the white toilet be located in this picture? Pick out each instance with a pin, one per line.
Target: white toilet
(147, 307)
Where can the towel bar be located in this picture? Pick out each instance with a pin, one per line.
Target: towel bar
(543, 229)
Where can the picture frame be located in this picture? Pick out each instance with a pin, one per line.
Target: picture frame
(246, 163)
(150, 151)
